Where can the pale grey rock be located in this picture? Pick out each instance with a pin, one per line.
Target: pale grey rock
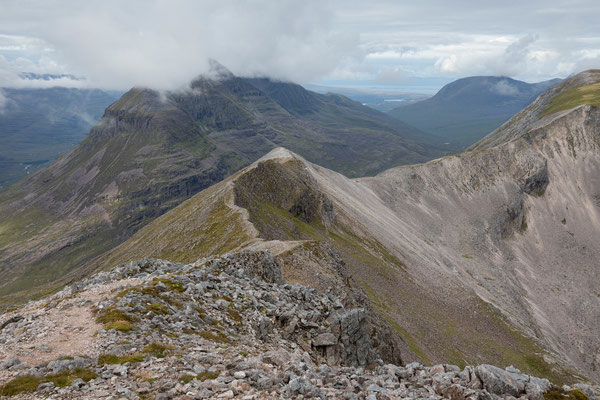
(10, 363)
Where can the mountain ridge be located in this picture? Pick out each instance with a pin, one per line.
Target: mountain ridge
(406, 234)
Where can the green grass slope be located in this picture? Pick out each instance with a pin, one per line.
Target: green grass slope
(588, 94)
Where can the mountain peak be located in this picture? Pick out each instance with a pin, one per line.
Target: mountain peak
(218, 71)
(278, 152)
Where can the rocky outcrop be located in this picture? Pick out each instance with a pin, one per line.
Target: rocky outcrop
(216, 329)
(511, 381)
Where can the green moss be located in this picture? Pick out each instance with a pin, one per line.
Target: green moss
(218, 336)
(114, 359)
(113, 315)
(186, 379)
(523, 227)
(207, 375)
(201, 377)
(200, 312)
(157, 308)
(170, 284)
(27, 384)
(157, 350)
(588, 94)
(234, 314)
(559, 394)
(121, 326)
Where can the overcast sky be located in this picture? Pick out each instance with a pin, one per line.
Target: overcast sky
(165, 43)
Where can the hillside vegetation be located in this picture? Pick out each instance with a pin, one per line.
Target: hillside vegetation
(588, 94)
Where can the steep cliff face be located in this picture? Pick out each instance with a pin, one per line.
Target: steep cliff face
(517, 223)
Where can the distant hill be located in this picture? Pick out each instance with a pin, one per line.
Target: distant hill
(38, 125)
(466, 110)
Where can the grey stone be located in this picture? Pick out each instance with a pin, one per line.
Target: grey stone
(45, 387)
(325, 339)
(10, 363)
(498, 381)
(239, 375)
(77, 383)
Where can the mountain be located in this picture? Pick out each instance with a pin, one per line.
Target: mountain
(465, 110)
(486, 256)
(38, 125)
(152, 150)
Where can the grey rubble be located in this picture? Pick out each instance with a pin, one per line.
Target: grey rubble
(280, 341)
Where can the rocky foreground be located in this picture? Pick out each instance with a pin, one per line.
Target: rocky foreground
(223, 327)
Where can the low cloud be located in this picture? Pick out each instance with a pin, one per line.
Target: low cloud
(504, 88)
(3, 101)
(165, 44)
(391, 75)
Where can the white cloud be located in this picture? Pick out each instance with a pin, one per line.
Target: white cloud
(504, 88)
(3, 101)
(391, 74)
(167, 43)
(164, 43)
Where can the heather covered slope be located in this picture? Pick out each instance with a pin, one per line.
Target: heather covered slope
(153, 150)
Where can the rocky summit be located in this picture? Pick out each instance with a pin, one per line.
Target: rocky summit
(222, 327)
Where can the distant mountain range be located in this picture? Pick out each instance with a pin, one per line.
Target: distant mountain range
(466, 110)
(38, 125)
